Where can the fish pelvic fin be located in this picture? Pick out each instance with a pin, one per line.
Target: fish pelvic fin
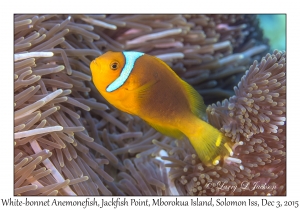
(168, 131)
(211, 145)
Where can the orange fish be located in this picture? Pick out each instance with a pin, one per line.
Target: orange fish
(145, 86)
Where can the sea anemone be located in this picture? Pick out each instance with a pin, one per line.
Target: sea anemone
(254, 118)
(70, 141)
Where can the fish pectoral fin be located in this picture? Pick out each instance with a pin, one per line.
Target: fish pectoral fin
(172, 132)
(142, 90)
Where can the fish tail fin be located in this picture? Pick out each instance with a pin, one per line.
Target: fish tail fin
(210, 144)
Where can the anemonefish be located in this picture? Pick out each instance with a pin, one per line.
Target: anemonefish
(145, 86)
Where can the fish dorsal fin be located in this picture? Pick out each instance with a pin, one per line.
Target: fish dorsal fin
(195, 100)
(172, 132)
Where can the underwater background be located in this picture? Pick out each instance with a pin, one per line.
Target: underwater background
(69, 141)
(274, 27)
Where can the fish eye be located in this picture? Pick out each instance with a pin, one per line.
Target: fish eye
(114, 65)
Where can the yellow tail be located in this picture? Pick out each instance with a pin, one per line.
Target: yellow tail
(210, 144)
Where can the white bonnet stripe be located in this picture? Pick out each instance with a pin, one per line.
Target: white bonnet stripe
(130, 58)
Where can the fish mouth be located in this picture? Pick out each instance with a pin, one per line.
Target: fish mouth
(95, 62)
(95, 66)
